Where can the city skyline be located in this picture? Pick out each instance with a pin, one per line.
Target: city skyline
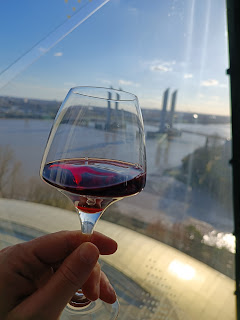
(139, 47)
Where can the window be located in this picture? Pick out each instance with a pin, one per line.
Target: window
(176, 247)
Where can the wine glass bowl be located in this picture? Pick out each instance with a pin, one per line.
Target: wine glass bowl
(95, 154)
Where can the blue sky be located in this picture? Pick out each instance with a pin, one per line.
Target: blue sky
(141, 46)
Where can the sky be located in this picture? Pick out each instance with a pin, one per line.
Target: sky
(140, 46)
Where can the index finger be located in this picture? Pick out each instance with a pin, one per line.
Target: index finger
(55, 247)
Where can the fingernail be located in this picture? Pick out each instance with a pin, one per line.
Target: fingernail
(88, 253)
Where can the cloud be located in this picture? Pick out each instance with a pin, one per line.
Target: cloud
(128, 83)
(210, 83)
(213, 83)
(58, 54)
(187, 76)
(161, 66)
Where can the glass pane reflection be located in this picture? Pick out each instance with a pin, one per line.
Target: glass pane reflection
(176, 247)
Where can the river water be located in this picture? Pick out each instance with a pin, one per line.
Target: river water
(28, 138)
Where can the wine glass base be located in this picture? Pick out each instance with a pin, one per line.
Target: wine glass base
(93, 311)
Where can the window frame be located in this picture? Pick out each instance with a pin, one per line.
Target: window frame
(233, 21)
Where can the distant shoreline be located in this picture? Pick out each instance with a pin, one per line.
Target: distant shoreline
(148, 122)
(24, 108)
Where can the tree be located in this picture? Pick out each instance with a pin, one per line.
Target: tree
(208, 169)
(9, 173)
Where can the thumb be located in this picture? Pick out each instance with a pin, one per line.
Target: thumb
(49, 301)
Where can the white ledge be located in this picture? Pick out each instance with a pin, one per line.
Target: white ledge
(195, 290)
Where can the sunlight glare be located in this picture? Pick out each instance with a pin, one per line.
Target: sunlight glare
(181, 270)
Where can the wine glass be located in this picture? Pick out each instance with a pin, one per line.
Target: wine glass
(95, 155)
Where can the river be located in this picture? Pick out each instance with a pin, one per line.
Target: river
(28, 138)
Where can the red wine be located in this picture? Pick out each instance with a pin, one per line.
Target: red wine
(95, 177)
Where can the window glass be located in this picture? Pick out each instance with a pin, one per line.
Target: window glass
(176, 248)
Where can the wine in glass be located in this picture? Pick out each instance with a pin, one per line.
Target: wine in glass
(95, 155)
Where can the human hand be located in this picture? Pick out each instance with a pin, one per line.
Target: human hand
(39, 277)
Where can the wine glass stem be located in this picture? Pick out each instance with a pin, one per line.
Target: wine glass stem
(88, 221)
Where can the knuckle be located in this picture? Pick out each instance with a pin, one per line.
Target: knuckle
(69, 275)
(20, 249)
(15, 254)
